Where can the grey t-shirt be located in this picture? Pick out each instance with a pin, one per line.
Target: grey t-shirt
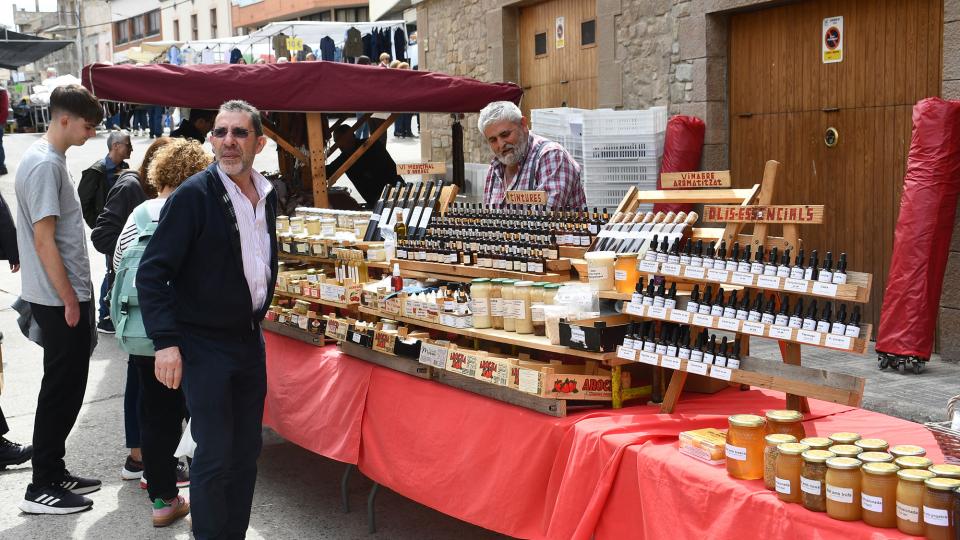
(44, 188)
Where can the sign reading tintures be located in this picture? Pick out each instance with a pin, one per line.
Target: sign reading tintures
(695, 179)
(526, 197)
(799, 213)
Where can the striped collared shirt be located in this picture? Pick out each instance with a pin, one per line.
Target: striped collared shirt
(254, 234)
(547, 166)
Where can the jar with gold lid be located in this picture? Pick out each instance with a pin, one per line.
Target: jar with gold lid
(845, 437)
(939, 523)
(770, 454)
(817, 443)
(789, 466)
(875, 457)
(873, 445)
(907, 450)
(913, 462)
(843, 488)
(846, 450)
(910, 500)
(813, 479)
(945, 470)
(745, 445)
(786, 421)
(878, 495)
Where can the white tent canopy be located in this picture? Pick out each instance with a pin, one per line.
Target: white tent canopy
(313, 31)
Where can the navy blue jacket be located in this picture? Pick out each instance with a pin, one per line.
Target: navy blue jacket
(190, 278)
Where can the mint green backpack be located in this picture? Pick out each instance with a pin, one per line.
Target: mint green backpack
(124, 301)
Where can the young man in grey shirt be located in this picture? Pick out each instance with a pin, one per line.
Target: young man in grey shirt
(56, 282)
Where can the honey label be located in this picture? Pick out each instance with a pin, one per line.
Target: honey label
(871, 503)
(908, 513)
(736, 452)
(813, 487)
(619, 275)
(783, 486)
(936, 516)
(840, 494)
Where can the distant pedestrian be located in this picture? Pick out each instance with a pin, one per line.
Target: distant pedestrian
(402, 128)
(196, 127)
(56, 283)
(11, 453)
(4, 115)
(384, 59)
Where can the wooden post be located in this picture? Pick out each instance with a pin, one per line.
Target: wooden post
(318, 159)
(363, 149)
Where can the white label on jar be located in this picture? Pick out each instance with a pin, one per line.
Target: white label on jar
(783, 486)
(519, 309)
(536, 313)
(795, 285)
(908, 513)
(742, 278)
(694, 272)
(813, 487)
(736, 452)
(496, 307)
(596, 273)
(620, 275)
(936, 516)
(577, 336)
(839, 494)
(871, 503)
(781, 332)
(824, 289)
(449, 306)
(480, 307)
(718, 275)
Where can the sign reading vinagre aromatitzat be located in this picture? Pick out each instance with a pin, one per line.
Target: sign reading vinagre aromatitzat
(799, 213)
(695, 179)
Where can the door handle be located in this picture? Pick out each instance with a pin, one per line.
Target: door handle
(831, 109)
(527, 87)
(564, 82)
(745, 115)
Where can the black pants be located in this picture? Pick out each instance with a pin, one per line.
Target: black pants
(3, 424)
(225, 382)
(161, 411)
(66, 361)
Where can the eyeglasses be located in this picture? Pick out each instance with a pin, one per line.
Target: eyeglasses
(238, 133)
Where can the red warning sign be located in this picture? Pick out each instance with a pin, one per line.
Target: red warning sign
(832, 40)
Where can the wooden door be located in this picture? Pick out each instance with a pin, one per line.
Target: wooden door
(783, 98)
(552, 76)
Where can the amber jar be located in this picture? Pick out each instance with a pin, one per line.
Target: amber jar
(843, 488)
(910, 500)
(786, 421)
(875, 457)
(878, 497)
(625, 273)
(845, 437)
(939, 523)
(945, 470)
(813, 478)
(873, 445)
(913, 462)
(744, 448)
(817, 443)
(789, 466)
(907, 450)
(770, 454)
(846, 450)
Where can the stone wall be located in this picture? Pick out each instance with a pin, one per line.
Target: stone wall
(950, 299)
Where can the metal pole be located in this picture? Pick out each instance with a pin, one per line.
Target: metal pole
(79, 40)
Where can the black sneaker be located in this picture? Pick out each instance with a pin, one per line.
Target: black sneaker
(3, 170)
(12, 453)
(53, 499)
(132, 469)
(105, 326)
(77, 485)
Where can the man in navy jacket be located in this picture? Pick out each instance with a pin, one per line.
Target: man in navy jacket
(205, 282)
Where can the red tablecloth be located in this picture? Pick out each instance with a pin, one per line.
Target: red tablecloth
(611, 474)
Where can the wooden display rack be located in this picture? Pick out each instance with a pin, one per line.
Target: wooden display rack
(441, 270)
(317, 340)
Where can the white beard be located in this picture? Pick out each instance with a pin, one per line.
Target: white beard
(519, 151)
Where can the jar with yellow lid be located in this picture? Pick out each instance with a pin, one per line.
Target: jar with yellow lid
(813, 478)
(496, 303)
(480, 302)
(770, 454)
(846, 450)
(875, 457)
(625, 273)
(945, 470)
(939, 523)
(786, 421)
(878, 494)
(744, 448)
(789, 466)
(817, 443)
(843, 488)
(873, 445)
(907, 450)
(845, 437)
(536, 309)
(521, 307)
(508, 296)
(910, 500)
(913, 462)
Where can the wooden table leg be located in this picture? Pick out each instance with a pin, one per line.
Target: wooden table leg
(791, 355)
(617, 387)
(672, 394)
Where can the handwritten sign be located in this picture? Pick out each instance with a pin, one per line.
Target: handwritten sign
(696, 179)
(433, 355)
(336, 329)
(383, 342)
(422, 168)
(800, 213)
(527, 197)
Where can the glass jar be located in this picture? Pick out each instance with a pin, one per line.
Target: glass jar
(845, 437)
(283, 223)
(843, 488)
(878, 496)
(550, 293)
(744, 448)
(910, 500)
(312, 225)
(536, 309)
(939, 523)
(600, 272)
(770, 454)
(876, 457)
(817, 443)
(496, 303)
(625, 273)
(296, 225)
(786, 421)
(480, 302)
(813, 478)
(913, 462)
(521, 307)
(907, 450)
(945, 470)
(846, 450)
(789, 466)
(508, 296)
(873, 445)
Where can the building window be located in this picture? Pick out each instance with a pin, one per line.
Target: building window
(153, 23)
(540, 44)
(213, 23)
(138, 27)
(122, 30)
(194, 29)
(588, 33)
(325, 15)
(176, 30)
(358, 14)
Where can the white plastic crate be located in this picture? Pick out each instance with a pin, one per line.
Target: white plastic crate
(610, 199)
(607, 123)
(599, 173)
(633, 148)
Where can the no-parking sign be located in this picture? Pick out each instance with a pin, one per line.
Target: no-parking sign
(832, 40)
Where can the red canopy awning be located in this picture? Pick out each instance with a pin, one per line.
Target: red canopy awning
(295, 87)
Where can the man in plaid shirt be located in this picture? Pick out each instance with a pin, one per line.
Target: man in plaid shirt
(526, 162)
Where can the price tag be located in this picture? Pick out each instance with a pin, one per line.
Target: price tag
(529, 381)
(577, 335)
(715, 274)
(357, 337)
(636, 308)
(726, 323)
(699, 319)
(698, 368)
(384, 342)
(806, 336)
(636, 298)
(650, 358)
(721, 373)
(671, 362)
(626, 353)
(679, 316)
(753, 328)
(824, 289)
(768, 282)
(648, 266)
(742, 278)
(781, 332)
(795, 285)
(838, 342)
(670, 269)
(658, 312)
(695, 272)
(433, 355)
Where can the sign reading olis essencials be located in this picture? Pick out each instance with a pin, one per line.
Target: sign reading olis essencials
(800, 213)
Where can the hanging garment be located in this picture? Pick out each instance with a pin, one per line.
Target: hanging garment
(353, 46)
(186, 56)
(400, 45)
(279, 44)
(368, 47)
(327, 48)
(173, 55)
(235, 55)
(385, 42)
(206, 56)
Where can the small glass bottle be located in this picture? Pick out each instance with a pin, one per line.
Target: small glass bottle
(521, 307)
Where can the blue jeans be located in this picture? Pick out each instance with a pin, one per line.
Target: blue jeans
(140, 119)
(156, 121)
(105, 289)
(365, 130)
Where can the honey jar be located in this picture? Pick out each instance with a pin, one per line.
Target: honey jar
(876, 457)
(913, 462)
(878, 495)
(770, 453)
(813, 478)
(945, 470)
(625, 273)
(845, 437)
(745, 445)
(846, 450)
(817, 443)
(786, 421)
(910, 500)
(873, 445)
(789, 465)
(843, 488)
(907, 450)
(939, 523)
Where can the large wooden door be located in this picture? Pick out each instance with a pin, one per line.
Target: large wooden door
(783, 98)
(556, 77)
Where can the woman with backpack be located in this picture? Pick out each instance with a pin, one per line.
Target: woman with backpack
(161, 408)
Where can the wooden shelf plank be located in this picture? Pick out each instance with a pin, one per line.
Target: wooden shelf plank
(442, 270)
(315, 300)
(404, 365)
(716, 196)
(291, 332)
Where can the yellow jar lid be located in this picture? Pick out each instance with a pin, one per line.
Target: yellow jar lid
(784, 416)
(779, 438)
(882, 469)
(846, 450)
(907, 450)
(843, 463)
(875, 457)
(845, 437)
(913, 462)
(819, 443)
(945, 470)
(745, 420)
(914, 475)
(792, 448)
(944, 484)
(879, 445)
(817, 456)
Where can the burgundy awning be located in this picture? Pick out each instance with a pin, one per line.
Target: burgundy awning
(295, 87)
